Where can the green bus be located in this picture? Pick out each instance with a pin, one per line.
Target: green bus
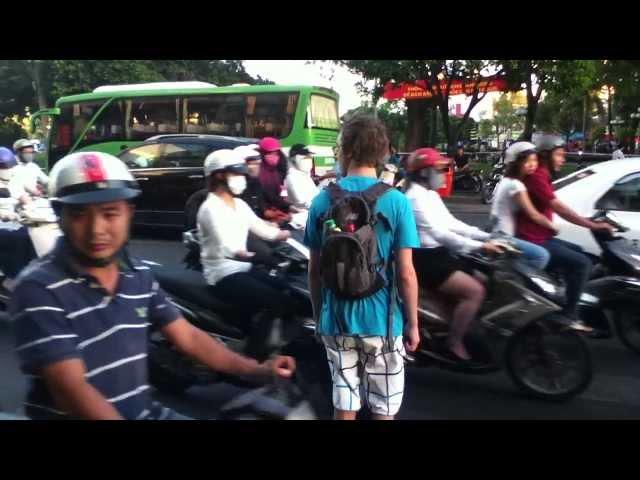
(113, 118)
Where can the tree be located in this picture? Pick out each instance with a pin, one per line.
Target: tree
(559, 76)
(505, 119)
(35, 84)
(439, 75)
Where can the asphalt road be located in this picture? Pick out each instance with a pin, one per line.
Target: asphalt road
(430, 393)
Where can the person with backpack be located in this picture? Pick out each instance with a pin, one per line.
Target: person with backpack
(442, 236)
(361, 233)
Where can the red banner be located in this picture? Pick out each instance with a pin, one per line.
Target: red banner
(420, 89)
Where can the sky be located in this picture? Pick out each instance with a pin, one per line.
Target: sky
(319, 74)
(327, 74)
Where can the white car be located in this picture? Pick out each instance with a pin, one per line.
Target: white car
(613, 185)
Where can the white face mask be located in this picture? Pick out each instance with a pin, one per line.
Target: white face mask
(436, 179)
(304, 163)
(237, 184)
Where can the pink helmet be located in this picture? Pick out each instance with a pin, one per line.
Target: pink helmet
(269, 144)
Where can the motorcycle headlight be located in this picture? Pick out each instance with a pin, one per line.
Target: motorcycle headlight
(545, 285)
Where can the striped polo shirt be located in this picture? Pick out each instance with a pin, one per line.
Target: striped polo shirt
(61, 312)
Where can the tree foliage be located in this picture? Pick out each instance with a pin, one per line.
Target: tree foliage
(27, 85)
(439, 74)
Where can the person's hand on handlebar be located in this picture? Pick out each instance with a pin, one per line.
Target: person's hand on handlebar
(491, 247)
(279, 366)
(599, 226)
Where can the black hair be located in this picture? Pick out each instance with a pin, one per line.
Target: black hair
(512, 170)
(214, 182)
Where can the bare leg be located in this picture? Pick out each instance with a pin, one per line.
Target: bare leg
(344, 415)
(469, 294)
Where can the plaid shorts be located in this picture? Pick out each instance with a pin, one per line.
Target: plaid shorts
(366, 367)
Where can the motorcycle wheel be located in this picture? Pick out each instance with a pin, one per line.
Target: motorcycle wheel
(627, 324)
(548, 362)
(167, 371)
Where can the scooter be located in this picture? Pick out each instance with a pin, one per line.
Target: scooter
(172, 372)
(612, 296)
(517, 329)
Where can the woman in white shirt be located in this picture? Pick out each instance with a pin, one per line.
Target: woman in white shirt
(441, 237)
(224, 222)
(511, 197)
(301, 189)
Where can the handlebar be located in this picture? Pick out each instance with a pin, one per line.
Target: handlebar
(604, 217)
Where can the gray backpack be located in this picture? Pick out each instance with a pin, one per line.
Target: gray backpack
(349, 263)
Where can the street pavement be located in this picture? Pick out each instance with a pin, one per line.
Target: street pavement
(429, 394)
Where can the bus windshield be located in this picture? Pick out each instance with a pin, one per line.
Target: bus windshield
(324, 113)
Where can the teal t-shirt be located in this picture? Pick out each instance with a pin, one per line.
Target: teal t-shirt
(366, 316)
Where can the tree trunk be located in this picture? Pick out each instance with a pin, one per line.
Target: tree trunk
(434, 126)
(416, 122)
(443, 106)
(41, 96)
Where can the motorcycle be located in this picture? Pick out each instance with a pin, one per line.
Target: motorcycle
(259, 337)
(469, 180)
(612, 294)
(518, 329)
(491, 182)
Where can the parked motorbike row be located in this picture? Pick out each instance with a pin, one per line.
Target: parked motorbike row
(519, 328)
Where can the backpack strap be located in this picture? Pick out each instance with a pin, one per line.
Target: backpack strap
(336, 192)
(374, 192)
(371, 196)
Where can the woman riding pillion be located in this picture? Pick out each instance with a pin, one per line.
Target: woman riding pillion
(511, 197)
(441, 237)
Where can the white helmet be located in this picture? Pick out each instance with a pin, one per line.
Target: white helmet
(516, 149)
(247, 152)
(224, 160)
(22, 143)
(91, 177)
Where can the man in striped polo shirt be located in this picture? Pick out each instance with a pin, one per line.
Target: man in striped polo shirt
(82, 313)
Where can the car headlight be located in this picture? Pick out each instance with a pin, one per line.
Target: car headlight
(545, 285)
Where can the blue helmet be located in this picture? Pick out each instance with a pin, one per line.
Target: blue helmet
(7, 158)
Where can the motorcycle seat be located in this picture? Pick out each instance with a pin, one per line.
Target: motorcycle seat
(191, 286)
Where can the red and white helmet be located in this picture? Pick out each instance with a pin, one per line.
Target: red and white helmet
(425, 158)
(91, 177)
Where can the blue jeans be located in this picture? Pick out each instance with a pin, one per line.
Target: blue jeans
(574, 267)
(533, 255)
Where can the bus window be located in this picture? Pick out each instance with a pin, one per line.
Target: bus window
(61, 137)
(241, 115)
(151, 116)
(107, 127)
(324, 113)
(270, 115)
(215, 115)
